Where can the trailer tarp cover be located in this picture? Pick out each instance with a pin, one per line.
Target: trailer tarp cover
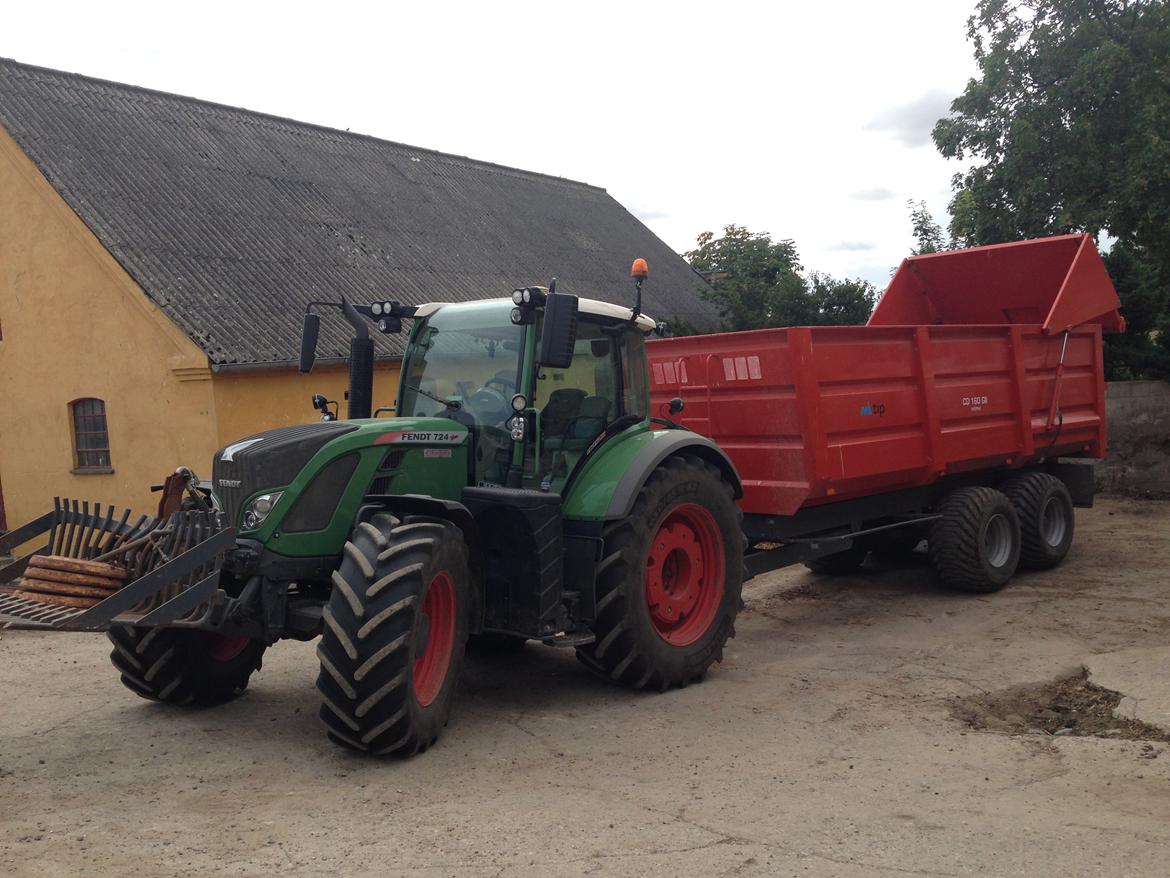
(1057, 283)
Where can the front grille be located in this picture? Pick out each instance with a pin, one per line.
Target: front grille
(314, 509)
(268, 460)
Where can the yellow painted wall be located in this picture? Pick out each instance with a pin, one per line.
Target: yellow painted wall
(248, 401)
(75, 325)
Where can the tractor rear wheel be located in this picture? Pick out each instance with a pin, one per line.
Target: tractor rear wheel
(975, 545)
(669, 581)
(1046, 518)
(184, 666)
(395, 633)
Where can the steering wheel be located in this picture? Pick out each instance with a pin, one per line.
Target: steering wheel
(489, 400)
(507, 388)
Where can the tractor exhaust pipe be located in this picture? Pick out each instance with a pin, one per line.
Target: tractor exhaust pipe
(388, 317)
(361, 364)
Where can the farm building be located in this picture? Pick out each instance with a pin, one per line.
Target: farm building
(157, 253)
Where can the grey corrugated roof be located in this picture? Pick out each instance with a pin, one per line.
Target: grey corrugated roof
(231, 220)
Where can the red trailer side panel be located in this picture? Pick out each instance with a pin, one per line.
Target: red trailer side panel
(814, 415)
(973, 359)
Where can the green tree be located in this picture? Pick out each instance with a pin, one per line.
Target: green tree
(840, 302)
(1068, 124)
(928, 234)
(757, 283)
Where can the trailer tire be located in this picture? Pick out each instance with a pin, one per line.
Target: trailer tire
(975, 545)
(840, 563)
(670, 579)
(182, 665)
(394, 636)
(1046, 515)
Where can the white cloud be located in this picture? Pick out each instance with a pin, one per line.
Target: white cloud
(852, 246)
(876, 193)
(912, 122)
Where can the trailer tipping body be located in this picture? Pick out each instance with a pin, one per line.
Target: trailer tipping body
(976, 359)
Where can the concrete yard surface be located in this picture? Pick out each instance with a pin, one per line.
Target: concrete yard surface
(824, 744)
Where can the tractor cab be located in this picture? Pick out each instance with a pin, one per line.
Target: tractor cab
(532, 415)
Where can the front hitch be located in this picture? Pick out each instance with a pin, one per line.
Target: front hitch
(170, 567)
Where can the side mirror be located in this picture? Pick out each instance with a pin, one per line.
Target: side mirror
(309, 341)
(559, 333)
(676, 405)
(321, 404)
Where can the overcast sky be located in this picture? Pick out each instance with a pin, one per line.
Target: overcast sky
(810, 121)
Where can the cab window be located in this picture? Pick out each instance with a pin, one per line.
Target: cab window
(576, 404)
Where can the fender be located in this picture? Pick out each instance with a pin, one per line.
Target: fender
(609, 483)
(422, 504)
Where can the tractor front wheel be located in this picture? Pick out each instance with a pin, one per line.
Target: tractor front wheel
(395, 634)
(669, 581)
(184, 666)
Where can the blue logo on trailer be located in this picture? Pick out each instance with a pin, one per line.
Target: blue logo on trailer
(874, 408)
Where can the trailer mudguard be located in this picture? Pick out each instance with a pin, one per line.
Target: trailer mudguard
(608, 484)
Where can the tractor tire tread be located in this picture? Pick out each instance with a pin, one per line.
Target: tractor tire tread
(622, 651)
(366, 681)
(171, 665)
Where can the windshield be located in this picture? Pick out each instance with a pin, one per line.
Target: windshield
(464, 359)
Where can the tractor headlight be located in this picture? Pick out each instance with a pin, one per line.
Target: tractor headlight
(376, 308)
(256, 511)
(517, 426)
(519, 403)
(517, 297)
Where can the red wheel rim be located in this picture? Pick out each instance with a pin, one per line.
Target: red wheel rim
(685, 570)
(438, 623)
(225, 647)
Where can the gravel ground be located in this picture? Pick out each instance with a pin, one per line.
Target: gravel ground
(823, 745)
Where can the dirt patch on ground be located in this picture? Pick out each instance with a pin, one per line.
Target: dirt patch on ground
(1067, 706)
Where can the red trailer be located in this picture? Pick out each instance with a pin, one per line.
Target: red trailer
(977, 378)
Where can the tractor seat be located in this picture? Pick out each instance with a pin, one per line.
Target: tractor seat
(590, 421)
(563, 405)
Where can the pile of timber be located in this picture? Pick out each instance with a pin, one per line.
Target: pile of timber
(69, 582)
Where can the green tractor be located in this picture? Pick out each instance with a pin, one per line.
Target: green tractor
(521, 490)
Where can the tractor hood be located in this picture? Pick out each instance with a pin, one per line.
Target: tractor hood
(270, 459)
(328, 467)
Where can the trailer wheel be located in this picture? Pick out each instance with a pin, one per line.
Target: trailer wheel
(1046, 518)
(670, 579)
(183, 666)
(840, 563)
(395, 633)
(975, 546)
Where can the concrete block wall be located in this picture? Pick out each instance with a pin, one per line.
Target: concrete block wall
(1138, 461)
